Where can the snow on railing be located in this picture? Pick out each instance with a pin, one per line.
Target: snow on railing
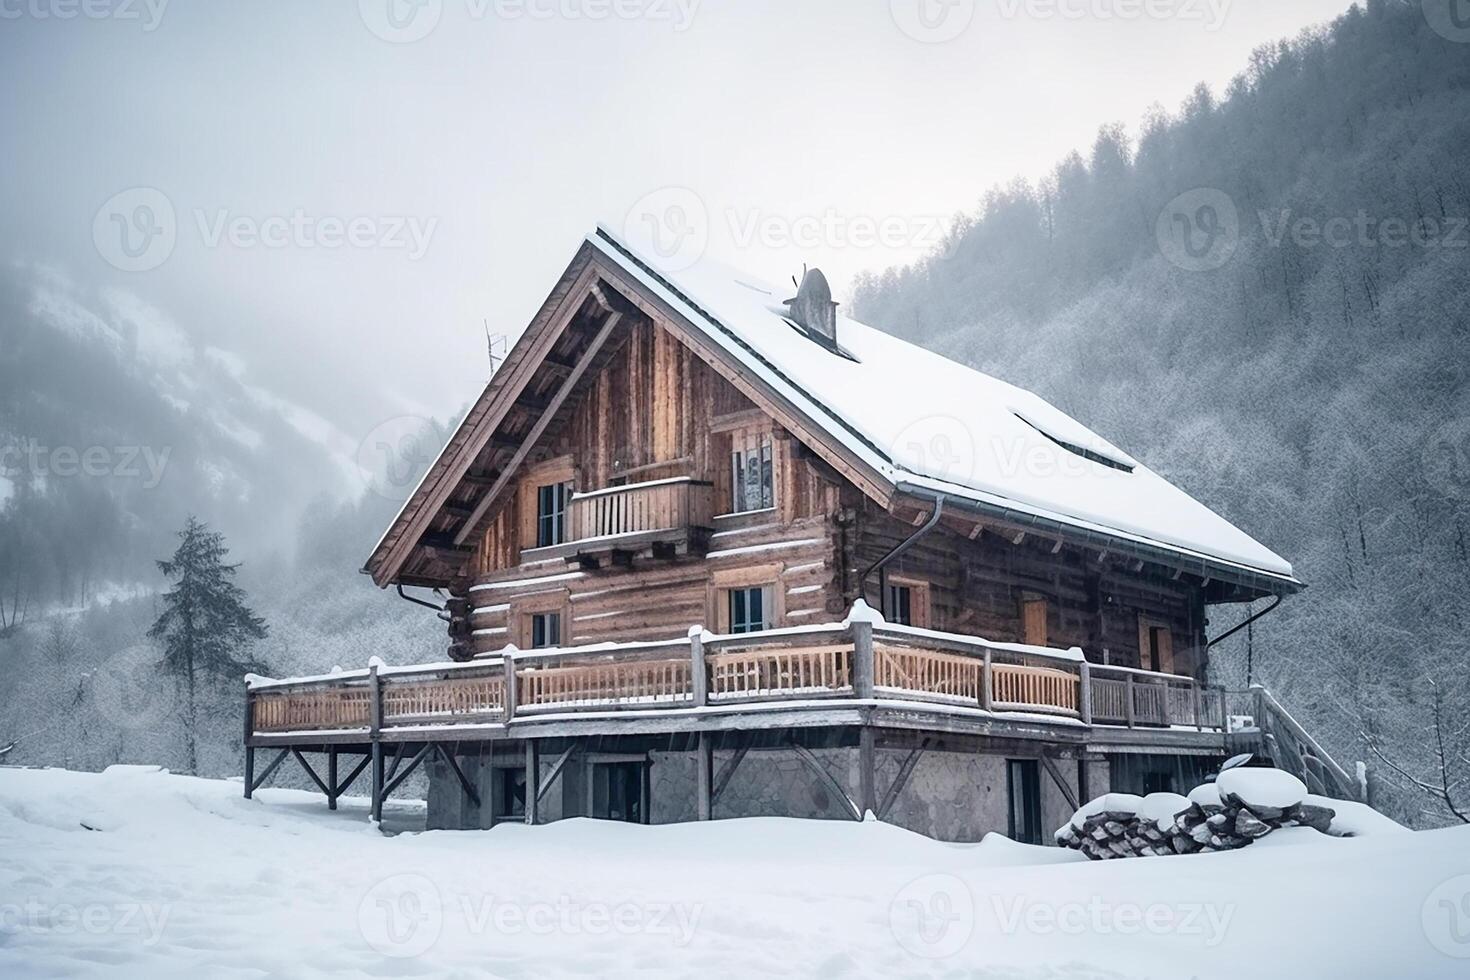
(861, 657)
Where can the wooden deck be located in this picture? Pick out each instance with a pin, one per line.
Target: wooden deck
(807, 675)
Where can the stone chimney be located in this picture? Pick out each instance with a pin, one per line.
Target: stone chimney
(813, 309)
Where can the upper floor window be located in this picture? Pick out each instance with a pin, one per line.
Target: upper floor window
(545, 630)
(551, 513)
(749, 609)
(752, 473)
(906, 603)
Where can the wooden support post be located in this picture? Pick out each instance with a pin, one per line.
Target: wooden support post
(332, 777)
(533, 773)
(987, 691)
(1199, 721)
(1084, 691)
(1128, 698)
(377, 802)
(862, 659)
(375, 726)
(704, 759)
(511, 693)
(249, 750)
(867, 772)
(699, 674)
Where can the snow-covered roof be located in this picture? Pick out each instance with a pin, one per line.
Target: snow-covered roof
(929, 424)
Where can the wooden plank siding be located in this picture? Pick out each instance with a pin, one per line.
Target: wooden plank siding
(655, 410)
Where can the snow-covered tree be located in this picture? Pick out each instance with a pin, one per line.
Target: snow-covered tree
(206, 627)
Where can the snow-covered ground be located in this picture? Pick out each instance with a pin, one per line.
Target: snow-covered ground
(139, 873)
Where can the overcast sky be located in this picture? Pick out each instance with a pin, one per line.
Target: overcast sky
(338, 194)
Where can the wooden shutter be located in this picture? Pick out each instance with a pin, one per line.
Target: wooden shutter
(1033, 620)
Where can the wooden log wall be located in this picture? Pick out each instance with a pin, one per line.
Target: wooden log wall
(977, 586)
(654, 410)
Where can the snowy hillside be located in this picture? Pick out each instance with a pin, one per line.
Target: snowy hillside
(137, 873)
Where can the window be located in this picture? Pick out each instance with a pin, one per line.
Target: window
(510, 802)
(1033, 620)
(906, 602)
(750, 609)
(898, 605)
(551, 512)
(752, 475)
(545, 630)
(1023, 785)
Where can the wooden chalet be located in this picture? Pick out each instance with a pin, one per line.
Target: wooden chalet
(712, 549)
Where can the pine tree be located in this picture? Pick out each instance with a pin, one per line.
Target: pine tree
(206, 627)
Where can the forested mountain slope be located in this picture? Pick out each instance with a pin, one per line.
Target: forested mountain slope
(1266, 297)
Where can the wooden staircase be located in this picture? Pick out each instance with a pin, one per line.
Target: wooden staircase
(1282, 739)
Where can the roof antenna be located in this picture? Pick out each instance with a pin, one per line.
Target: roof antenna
(492, 344)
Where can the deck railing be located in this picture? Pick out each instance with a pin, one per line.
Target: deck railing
(660, 505)
(857, 660)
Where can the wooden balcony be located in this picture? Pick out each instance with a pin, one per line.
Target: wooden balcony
(692, 681)
(659, 519)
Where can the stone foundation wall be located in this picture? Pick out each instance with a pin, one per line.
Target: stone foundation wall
(950, 796)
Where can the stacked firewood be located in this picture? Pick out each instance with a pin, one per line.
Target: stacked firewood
(1242, 806)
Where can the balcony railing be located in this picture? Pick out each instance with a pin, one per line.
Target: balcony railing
(640, 508)
(857, 660)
